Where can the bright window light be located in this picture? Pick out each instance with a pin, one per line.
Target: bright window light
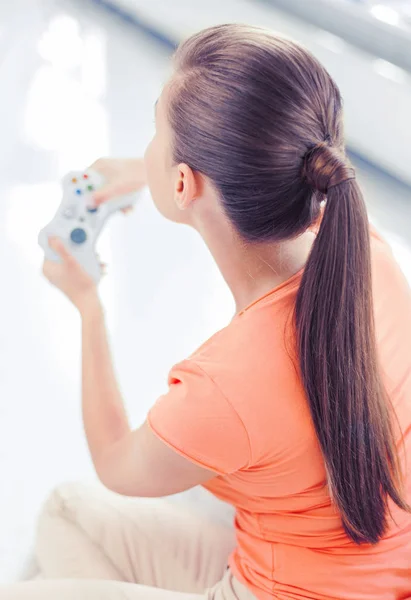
(386, 14)
(390, 71)
(62, 44)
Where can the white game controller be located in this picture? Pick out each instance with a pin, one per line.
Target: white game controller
(77, 223)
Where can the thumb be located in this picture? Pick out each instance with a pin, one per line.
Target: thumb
(59, 248)
(110, 191)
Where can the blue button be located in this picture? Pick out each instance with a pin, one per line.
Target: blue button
(92, 210)
(78, 236)
(78, 192)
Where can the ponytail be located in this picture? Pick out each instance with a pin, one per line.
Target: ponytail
(338, 356)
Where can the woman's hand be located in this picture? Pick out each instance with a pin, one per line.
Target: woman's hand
(70, 278)
(123, 176)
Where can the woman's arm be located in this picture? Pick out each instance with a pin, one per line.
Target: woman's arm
(104, 415)
(135, 463)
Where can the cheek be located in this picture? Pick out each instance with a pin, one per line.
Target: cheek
(159, 179)
(153, 168)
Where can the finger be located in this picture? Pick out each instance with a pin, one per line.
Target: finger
(99, 165)
(109, 191)
(48, 266)
(59, 248)
(50, 270)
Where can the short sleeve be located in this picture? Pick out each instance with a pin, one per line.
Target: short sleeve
(198, 422)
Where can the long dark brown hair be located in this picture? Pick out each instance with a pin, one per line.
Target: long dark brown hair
(262, 119)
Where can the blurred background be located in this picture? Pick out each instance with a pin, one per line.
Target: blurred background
(79, 79)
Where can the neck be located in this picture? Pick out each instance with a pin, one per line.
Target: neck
(252, 270)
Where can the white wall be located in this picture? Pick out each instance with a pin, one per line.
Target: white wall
(377, 94)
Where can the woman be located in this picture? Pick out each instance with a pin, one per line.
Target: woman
(298, 413)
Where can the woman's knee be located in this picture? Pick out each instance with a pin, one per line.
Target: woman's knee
(65, 500)
(65, 511)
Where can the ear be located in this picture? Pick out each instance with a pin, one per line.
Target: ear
(186, 186)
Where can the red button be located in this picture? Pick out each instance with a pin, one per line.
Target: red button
(85, 176)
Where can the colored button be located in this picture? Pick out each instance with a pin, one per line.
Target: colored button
(90, 209)
(90, 188)
(85, 176)
(78, 192)
(74, 180)
(78, 236)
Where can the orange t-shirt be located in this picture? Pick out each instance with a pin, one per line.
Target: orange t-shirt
(237, 407)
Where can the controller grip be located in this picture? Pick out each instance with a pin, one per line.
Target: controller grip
(87, 260)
